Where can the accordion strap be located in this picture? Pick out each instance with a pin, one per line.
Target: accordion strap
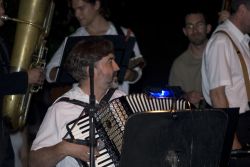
(104, 101)
(73, 101)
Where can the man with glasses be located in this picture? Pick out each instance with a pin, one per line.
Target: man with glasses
(186, 69)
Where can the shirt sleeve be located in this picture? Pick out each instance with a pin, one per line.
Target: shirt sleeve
(218, 62)
(48, 133)
(55, 62)
(53, 128)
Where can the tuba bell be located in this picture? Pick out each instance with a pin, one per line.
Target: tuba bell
(33, 23)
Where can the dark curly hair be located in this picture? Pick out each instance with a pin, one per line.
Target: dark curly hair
(85, 52)
(104, 8)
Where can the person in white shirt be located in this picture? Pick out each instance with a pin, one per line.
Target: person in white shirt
(49, 148)
(93, 21)
(222, 76)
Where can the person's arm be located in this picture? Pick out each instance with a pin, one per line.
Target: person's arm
(17, 82)
(223, 15)
(50, 156)
(53, 66)
(219, 100)
(131, 75)
(134, 71)
(48, 148)
(13, 83)
(194, 97)
(136, 63)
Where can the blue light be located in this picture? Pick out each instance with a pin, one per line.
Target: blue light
(162, 93)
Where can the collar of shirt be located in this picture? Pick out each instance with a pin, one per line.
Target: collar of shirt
(77, 93)
(236, 34)
(82, 31)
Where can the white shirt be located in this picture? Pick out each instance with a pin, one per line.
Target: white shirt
(221, 65)
(57, 57)
(53, 127)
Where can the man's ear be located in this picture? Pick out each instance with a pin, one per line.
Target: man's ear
(209, 28)
(87, 70)
(97, 4)
(184, 31)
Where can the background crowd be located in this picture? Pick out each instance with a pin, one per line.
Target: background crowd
(157, 28)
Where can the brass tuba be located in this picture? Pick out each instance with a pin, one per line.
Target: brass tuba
(33, 23)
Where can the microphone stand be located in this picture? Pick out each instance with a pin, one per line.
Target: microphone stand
(92, 111)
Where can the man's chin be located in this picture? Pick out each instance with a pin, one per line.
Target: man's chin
(83, 23)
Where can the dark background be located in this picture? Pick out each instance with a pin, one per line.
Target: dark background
(156, 24)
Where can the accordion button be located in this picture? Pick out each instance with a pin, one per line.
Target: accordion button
(108, 124)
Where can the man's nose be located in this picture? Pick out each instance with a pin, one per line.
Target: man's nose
(115, 66)
(76, 13)
(2, 11)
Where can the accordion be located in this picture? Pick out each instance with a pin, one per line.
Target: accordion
(110, 122)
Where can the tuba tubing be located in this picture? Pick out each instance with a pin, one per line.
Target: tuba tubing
(5, 17)
(32, 28)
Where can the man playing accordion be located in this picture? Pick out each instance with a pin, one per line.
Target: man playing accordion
(49, 147)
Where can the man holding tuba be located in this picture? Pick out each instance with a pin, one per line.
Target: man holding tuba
(12, 83)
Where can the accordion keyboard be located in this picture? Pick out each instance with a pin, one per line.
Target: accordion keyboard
(81, 131)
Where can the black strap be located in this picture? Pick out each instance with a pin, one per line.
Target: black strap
(119, 30)
(104, 101)
(73, 101)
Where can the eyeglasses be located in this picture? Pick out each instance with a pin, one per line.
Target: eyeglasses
(198, 25)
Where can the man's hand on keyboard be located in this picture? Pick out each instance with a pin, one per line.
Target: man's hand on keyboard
(78, 151)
